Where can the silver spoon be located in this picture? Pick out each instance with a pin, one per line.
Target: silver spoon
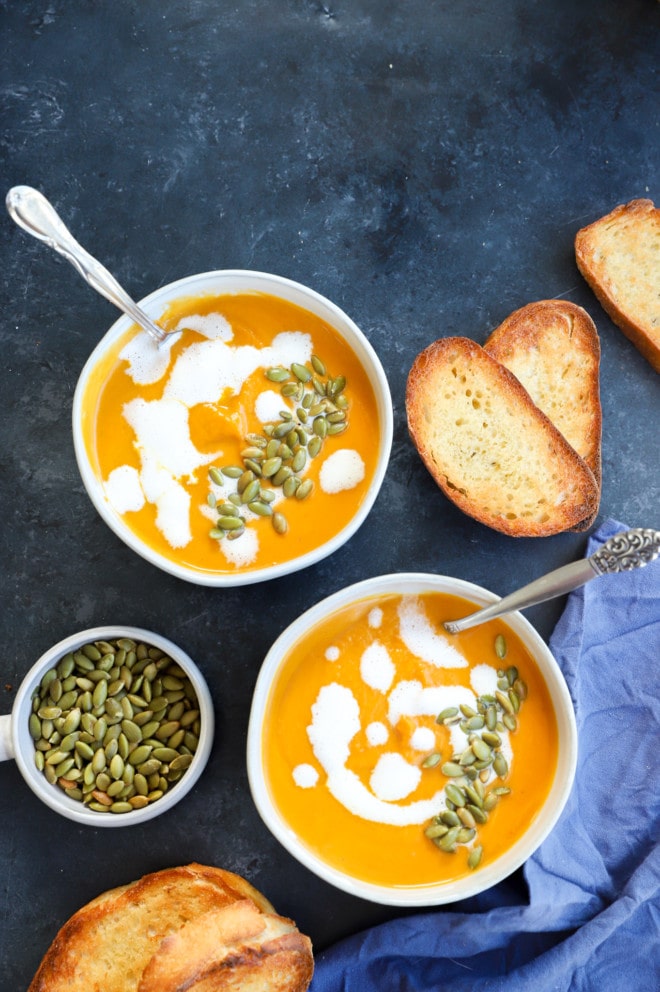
(621, 553)
(33, 212)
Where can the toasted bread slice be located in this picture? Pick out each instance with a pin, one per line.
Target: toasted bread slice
(489, 447)
(107, 945)
(619, 256)
(236, 947)
(552, 348)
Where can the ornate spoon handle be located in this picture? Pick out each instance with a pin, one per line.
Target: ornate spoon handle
(621, 553)
(33, 212)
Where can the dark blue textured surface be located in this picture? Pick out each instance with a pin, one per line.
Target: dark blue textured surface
(424, 164)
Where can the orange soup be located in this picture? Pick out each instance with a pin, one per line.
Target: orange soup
(246, 441)
(400, 755)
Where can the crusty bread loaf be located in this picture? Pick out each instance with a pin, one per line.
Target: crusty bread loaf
(619, 256)
(113, 943)
(552, 348)
(489, 447)
(236, 947)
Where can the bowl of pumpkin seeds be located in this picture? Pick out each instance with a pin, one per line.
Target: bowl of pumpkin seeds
(250, 444)
(111, 727)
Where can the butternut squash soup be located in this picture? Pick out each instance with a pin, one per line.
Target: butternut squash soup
(245, 441)
(402, 756)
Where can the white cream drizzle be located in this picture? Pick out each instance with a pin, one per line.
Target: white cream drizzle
(336, 721)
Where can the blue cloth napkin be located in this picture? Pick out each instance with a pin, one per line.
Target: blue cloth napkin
(590, 921)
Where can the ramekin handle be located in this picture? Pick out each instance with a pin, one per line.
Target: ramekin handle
(6, 747)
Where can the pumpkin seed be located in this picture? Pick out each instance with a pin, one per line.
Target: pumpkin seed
(500, 766)
(455, 795)
(318, 365)
(435, 830)
(277, 374)
(500, 646)
(314, 446)
(301, 372)
(475, 856)
(465, 816)
(481, 749)
(504, 702)
(280, 523)
(446, 714)
(452, 769)
(304, 489)
(448, 841)
(431, 760)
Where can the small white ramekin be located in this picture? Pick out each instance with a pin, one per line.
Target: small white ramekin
(16, 742)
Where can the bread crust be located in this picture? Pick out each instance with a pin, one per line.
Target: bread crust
(489, 447)
(107, 945)
(618, 257)
(235, 947)
(553, 349)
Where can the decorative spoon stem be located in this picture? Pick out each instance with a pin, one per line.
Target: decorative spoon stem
(33, 212)
(625, 551)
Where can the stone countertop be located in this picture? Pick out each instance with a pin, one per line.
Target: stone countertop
(423, 164)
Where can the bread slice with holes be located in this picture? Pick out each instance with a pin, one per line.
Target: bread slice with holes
(552, 348)
(619, 256)
(120, 940)
(491, 450)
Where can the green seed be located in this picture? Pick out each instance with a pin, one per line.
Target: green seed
(504, 702)
(282, 475)
(301, 372)
(271, 466)
(474, 857)
(431, 760)
(280, 524)
(318, 365)
(479, 814)
(304, 489)
(49, 712)
(500, 646)
(314, 446)
(277, 374)
(448, 841)
(230, 523)
(455, 795)
(481, 749)
(452, 769)
(435, 830)
(290, 485)
(260, 508)
(181, 762)
(446, 714)
(500, 766)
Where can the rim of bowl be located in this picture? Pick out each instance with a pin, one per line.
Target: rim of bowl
(434, 894)
(240, 280)
(23, 745)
